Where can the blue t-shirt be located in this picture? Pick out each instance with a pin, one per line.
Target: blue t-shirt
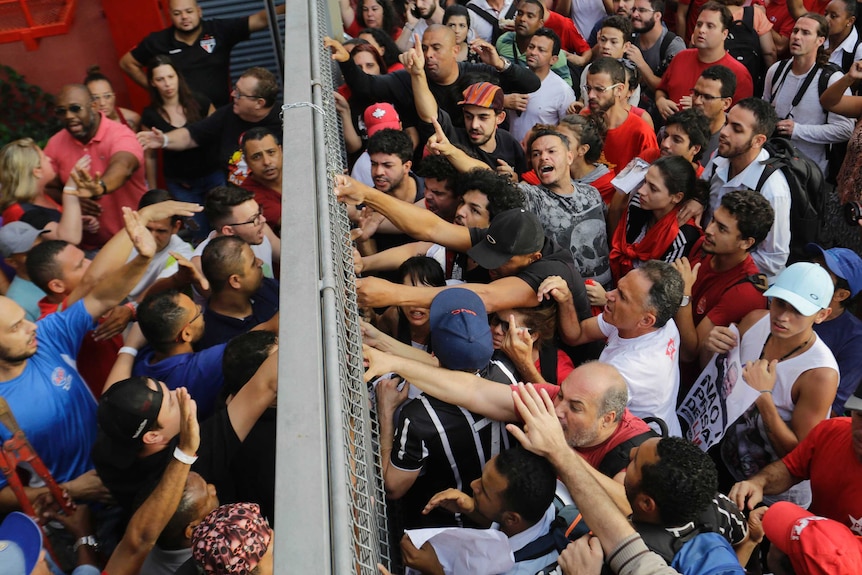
(198, 372)
(843, 335)
(50, 401)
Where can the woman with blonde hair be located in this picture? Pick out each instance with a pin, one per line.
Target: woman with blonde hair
(25, 171)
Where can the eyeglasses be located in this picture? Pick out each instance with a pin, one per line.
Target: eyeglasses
(494, 320)
(74, 108)
(643, 10)
(241, 95)
(706, 97)
(598, 89)
(99, 97)
(200, 311)
(255, 221)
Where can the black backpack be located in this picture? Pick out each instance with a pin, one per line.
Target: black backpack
(743, 44)
(808, 190)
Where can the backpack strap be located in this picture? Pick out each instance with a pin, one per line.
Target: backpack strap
(548, 363)
(778, 78)
(665, 44)
(748, 16)
(805, 85)
(759, 281)
(495, 24)
(618, 457)
(554, 540)
(848, 58)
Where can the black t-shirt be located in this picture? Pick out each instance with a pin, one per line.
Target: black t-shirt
(130, 485)
(508, 149)
(193, 163)
(224, 129)
(206, 63)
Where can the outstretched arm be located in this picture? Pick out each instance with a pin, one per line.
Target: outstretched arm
(411, 219)
(487, 398)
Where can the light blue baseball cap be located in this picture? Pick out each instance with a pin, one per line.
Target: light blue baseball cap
(806, 286)
(20, 544)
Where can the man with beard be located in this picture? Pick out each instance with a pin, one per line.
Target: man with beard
(427, 13)
(572, 213)
(739, 164)
(590, 405)
(117, 161)
(45, 392)
(718, 290)
(200, 49)
(529, 17)
(797, 98)
(628, 136)
(713, 26)
(482, 112)
(653, 46)
(263, 154)
(445, 74)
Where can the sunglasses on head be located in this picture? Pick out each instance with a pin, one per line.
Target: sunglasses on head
(74, 108)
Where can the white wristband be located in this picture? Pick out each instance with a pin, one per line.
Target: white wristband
(128, 349)
(164, 140)
(181, 456)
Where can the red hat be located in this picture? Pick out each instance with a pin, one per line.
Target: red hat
(815, 545)
(380, 116)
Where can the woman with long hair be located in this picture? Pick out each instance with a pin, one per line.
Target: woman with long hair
(410, 324)
(384, 44)
(189, 174)
(25, 171)
(648, 229)
(457, 17)
(370, 14)
(102, 92)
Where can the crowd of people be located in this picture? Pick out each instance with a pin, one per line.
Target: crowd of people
(602, 199)
(608, 200)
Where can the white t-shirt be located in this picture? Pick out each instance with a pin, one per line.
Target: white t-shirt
(162, 265)
(547, 105)
(650, 365)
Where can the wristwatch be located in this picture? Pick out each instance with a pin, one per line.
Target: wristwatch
(686, 299)
(89, 540)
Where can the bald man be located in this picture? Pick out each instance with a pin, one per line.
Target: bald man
(116, 174)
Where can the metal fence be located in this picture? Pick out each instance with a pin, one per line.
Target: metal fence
(330, 506)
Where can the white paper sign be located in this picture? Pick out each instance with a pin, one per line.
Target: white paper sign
(717, 399)
(466, 551)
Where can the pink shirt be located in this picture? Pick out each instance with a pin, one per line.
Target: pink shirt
(111, 138)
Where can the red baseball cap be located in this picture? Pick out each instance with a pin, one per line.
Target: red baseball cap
(815, 545)
(380, 116)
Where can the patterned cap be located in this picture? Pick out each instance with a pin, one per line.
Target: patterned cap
(484, 95)
(232, 539)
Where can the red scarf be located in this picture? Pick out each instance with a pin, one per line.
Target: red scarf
(654, 244)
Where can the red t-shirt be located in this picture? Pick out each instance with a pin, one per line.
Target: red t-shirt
(570, 39)
(826, 457)
(685, 69)
(605, 188)
(722, 296)
(564, 366)
(779, 15)
(631, 139)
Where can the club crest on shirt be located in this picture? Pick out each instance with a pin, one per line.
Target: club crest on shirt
(208, 43)
(61, 378)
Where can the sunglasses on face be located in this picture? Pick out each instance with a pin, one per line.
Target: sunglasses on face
(74, 108)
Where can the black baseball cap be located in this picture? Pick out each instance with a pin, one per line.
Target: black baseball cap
(515, 232)
(127, 410)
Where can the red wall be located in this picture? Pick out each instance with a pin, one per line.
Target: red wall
(64, 59)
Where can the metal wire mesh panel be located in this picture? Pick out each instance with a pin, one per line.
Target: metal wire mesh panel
(357, 432)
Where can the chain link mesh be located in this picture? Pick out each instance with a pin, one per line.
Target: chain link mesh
(358, 431)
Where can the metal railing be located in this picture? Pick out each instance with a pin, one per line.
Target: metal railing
(330, 506)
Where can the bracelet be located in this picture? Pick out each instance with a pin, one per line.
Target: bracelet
(89, 540)
(132, 305)
(165, 140)
(70, 191)
(769, 391)
(104, 187)
(129, 350)
(181, 456)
